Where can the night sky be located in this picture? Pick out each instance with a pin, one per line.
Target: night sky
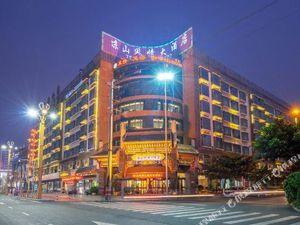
(45, 43)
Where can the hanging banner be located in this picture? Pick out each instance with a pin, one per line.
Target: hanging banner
(123, 50)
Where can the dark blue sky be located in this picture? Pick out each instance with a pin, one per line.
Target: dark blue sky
(45, 43)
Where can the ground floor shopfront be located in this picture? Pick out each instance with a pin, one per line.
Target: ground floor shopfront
(140, 168)
(79, 181)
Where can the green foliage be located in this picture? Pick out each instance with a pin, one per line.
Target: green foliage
(230, 166)
(280, 139)
(292, 189)
(94, 189)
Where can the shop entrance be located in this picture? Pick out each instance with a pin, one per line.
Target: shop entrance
(145, 186)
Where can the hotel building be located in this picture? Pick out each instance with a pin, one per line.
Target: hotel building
(210, 110)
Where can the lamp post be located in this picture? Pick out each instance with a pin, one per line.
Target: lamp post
(166, 76)
(9, 147)
(108, 191)
(42, 114)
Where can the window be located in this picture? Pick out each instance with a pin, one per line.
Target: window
(91, 126)
(137, 123)
(217, 111)
(226, 101)
(218, 142)
(234, 105)
(227, 146)
(245, 136)
(244, 122)
(90, 143)
(92, 94)
(245, 150)
(158, 123)
(173, 108)
(234, 91)
(205, 123)
(227, 131)
(133, 106)
(225, 87)
(236, 133)
(215, 79)
(242, 95)
(226, 116)
(204, 90)
(216, 95)
(243, 109)
(236, 148)
(204, 73)
(92, 110)
(204, 106)
(218, 126)
(235, 119)
(206, 140)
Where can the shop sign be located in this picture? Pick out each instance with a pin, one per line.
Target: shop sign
(123, 50)
(147, 175)
(147, 147)
(157, 157)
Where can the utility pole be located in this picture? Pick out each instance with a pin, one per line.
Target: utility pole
(109, 155)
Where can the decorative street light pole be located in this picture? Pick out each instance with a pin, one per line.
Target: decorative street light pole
(42, 114)
(165, 76)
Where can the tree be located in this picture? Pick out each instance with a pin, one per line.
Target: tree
(280, 139)
(230, 166)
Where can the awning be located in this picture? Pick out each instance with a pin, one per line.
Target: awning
(144, 172)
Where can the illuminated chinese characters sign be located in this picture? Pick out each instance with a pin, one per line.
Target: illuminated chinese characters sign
(122, 50)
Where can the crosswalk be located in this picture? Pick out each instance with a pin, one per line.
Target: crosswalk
(200, 211)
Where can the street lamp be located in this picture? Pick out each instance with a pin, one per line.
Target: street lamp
(166, 76)
(296, 113)
(42, 114)
(9, 147)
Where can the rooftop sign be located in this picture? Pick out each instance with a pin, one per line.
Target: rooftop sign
(123, 50)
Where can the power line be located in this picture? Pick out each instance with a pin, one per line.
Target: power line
(240, 20)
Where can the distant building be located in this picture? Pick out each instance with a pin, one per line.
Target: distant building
(210, 108)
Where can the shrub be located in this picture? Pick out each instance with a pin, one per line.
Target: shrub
(292, 189)
(94, 189)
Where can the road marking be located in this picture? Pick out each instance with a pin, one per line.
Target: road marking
(186, 211)
(10, 207)
(295, 223)
(101, 223)
(237, 216)
(249, 219)
(26, 214)
(277, 220)
(197, 214)
(171, 210)
(212, 213)
(2, 203)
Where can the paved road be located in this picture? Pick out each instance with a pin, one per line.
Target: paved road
(15, 211)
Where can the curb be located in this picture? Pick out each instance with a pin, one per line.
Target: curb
(296, 209)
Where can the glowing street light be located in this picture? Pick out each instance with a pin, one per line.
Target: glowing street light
(296, 114)
(42, 114)
(166, 76)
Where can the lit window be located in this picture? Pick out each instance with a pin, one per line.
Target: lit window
(134, 106)
(137, 123)
(158, 123)
(205, 123)
(204, 73)
(173, 108)
(204, 106)
(204, 90)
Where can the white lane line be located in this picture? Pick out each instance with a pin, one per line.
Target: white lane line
(277, 220)
(203, 212)
(295, 223)
(10, 207)
(208, 214)
(2, 203)
(187, 212)
(237, 216)
(162, 210)
(170, 211)
(249, 219)
(35, 201)
(101, 223)
(26, 214)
